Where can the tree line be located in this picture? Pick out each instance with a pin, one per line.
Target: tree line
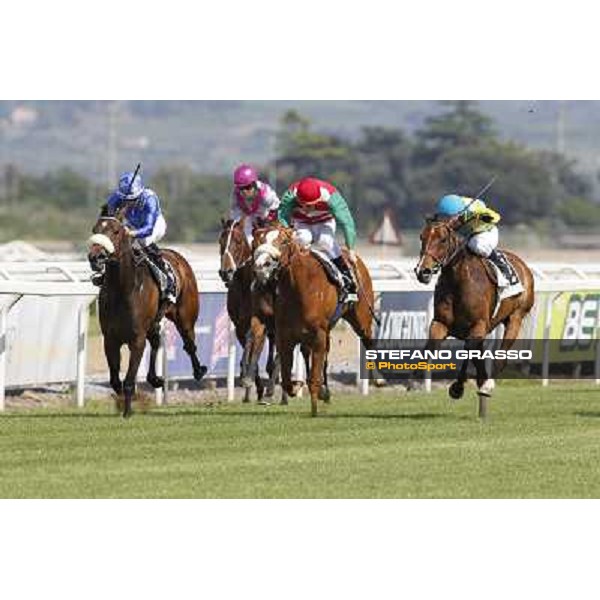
(457, 150)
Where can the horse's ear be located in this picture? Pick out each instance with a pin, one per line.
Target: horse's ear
(104, 210)
(120, 214)
(429, 219)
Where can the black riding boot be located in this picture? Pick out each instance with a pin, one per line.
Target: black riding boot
(501, 262)
(154, 254)
(349, 291)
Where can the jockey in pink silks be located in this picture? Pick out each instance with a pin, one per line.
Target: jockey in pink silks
(252, 198)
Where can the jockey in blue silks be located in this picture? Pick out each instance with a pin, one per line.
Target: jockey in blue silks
(144, 221)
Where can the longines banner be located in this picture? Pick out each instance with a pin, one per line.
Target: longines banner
(403, 315)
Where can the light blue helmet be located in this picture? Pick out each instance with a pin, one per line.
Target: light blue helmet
(450, 205)
(130, 188)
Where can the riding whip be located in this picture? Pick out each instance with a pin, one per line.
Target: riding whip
(361, 290)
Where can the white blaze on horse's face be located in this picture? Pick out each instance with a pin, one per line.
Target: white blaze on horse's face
(271, 236)
(266, 258)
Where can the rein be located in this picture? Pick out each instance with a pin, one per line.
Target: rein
(227, 251)
(444, 262)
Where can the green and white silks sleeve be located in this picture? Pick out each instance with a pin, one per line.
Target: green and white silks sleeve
(341, 212)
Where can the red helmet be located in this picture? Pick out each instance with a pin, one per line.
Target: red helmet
(309, 190)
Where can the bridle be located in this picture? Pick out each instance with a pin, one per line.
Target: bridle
(227, 251)
(229, 254)
(268, 249)
(440, 263)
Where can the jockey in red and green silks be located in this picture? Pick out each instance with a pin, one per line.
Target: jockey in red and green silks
(315, 208)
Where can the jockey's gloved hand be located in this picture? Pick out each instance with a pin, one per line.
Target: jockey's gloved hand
(352, 256)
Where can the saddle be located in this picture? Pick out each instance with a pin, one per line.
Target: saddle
(505, 288)
(161, 269)
(332, 272)
(335, 277)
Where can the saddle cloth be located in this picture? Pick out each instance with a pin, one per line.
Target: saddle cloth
(333, 273)
(163, 278)
(505, 288)
(172, 277)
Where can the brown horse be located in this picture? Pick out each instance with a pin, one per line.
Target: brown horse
(245, 305)
(130, 309)
(306, 304)
(465, 297)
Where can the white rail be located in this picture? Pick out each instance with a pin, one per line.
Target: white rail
(18, 279)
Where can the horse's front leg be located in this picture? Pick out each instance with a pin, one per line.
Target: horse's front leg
(112, 350)
(438, 332)
(154, 338)
(485, 385)
(324, 392)
(285, 354)
(255, 341)
(271, 371)
(315, 378)
(136, 350)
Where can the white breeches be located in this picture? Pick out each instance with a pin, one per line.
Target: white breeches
(484, 243)
(321, 235)
(248, 225)
(158, 233)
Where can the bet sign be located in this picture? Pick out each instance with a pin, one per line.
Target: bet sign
(582, 320)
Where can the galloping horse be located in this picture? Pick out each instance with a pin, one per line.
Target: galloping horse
(307, 304)
(465, 298)
(130, 309)
(244, 306)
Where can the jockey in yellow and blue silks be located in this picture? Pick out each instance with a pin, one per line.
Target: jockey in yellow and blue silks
(143, 221)
(477, 223)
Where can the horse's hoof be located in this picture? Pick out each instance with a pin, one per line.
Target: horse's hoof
(291, 390)
(156, 382)
(487, 388)
(200, 373)
(284, 402)
(456, 390)
(269, 391)
(127, 414)
(262, 402)
(246, 382)
(324, 394)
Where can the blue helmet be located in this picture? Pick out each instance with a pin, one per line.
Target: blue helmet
(450, 205)
(130, 188)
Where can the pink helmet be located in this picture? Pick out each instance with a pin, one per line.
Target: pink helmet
(244, 175)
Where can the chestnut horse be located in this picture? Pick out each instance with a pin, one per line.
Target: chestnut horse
(244, 305)
(306, 304)
(465, 298)
(130, 309)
